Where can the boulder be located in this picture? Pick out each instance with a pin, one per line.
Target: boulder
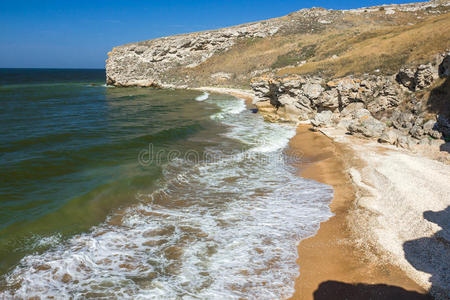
(286, 99)
(267, 110)
(389, 136)
(328, 100)
(378, 104)
(429, 125)
(431, 128)
(351, 109)
(322, 119)
(304, 103)
(361, 114)
(403, 121)
(289, 110)
(367, 126)
(312, 90)
(406, 77)
(423, 77)
(417, 131)
(344, 123)
(416, 79)
(405, 141)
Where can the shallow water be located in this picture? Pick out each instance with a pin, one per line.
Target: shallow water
(140, 193)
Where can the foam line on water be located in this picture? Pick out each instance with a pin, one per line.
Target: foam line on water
(202, 97)
(221, 229)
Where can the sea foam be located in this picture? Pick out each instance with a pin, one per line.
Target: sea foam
(221, 229)
(202, 97)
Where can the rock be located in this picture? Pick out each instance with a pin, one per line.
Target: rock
(267, 110)
(368, 126)
(435, 134)
(417, 131)
(285, 99)
(406, 77)
(378, 104)
(322, 119)
(418, 121)
(429, 125)
(312, 90)
(431, 128)
(405, 141)
(328, 100)
(348, 90)
(289, 112)
(444, 67)
(288, 109)
(389, 136)
(416, 79)
(361, 114)
(157, 60)
(344, 124)
(403, 121)
(424, 141)
(423, 77)
(350, 110)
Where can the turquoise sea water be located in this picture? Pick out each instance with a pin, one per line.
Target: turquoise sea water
(134, 192)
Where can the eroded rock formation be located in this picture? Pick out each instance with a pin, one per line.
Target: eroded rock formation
(386, 108)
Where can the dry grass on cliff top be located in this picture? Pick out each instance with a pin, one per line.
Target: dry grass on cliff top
(386, 49)
(362, 43)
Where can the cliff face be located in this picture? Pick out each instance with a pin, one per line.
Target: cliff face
(408, 108)
(149, 63)
(326, 43)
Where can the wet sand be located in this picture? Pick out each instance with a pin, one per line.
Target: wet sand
(332, 265)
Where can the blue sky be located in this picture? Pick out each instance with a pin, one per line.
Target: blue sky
(78, 34)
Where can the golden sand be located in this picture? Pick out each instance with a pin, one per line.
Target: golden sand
(332, 266)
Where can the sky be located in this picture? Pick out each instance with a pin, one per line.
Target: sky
(79, 34)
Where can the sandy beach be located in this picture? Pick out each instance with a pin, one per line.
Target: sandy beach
(359, 253)
(332, 263)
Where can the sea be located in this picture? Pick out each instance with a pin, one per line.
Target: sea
(139, 193)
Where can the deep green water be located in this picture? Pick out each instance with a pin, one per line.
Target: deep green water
(69, 150)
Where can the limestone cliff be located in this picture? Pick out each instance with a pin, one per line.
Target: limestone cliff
(149, 63)
(327, 43)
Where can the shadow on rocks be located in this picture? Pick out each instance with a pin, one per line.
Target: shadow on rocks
(339, 290)
(432, 254)
(438, 103)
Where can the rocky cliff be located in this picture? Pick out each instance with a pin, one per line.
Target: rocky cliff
(408, 108)
(149, 63)
(327, 43)
(378, 72)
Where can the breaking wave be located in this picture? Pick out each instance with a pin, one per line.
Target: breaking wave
(218, 229)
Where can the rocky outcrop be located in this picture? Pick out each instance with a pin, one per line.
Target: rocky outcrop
(148, 63)
(371, 106)
(416, 79)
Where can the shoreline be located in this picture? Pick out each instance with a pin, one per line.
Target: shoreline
(344, 259)
(332, 264)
